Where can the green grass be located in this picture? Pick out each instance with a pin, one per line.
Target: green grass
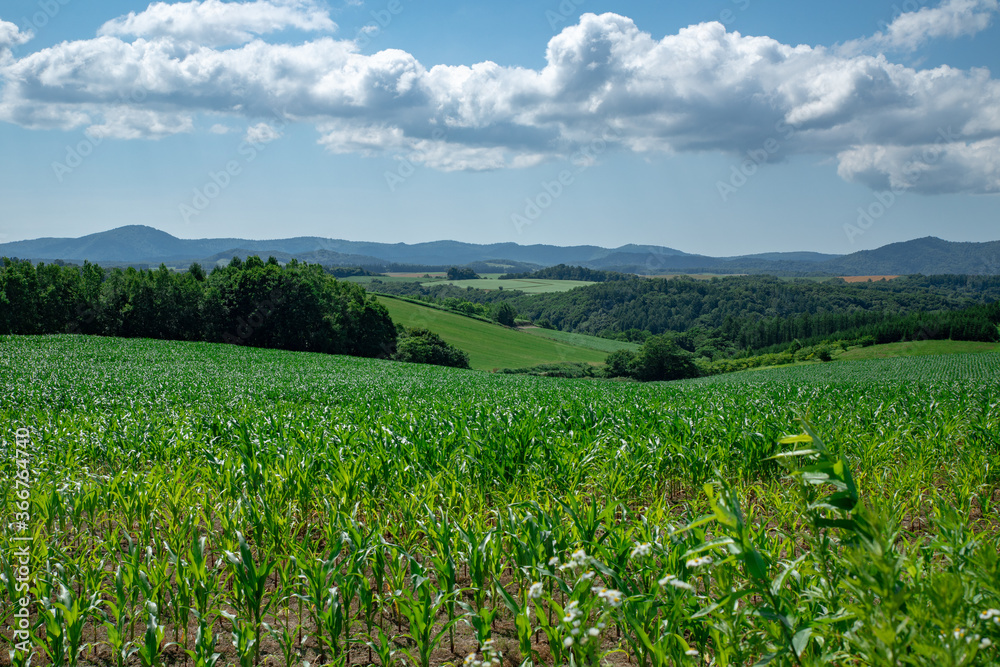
(488, 281)
(917, 349)
(364, 280)
(489, 345)
(583, 340)
(491, 281)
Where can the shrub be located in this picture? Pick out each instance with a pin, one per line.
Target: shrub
(421, 346)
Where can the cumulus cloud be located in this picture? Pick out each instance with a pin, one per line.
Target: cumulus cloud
(126, 122)
(935, 168)
(11, 35)
(261, 133)
(701, 89)
(217, 23)
(910, 30)
(951, 19)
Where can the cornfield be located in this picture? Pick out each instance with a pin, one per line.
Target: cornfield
(197, 504)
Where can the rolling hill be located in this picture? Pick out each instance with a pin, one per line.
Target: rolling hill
(146, 245)
(489, 345)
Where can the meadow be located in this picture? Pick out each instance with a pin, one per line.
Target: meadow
(490, 345)
(486, 281)
(204, 504)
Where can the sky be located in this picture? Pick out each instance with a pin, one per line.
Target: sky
(720, 127)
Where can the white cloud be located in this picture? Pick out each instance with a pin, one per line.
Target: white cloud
(910, 30)
(934, 168)
(126, 122)
(951, 19)
(219, 128)
(701, 89)
(261, 133)
(11, 35)
(216, 23)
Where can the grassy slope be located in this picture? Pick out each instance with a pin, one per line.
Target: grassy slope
(488, 281)
(917, 349)
(583, 340)
(489, 346)
(491, 281)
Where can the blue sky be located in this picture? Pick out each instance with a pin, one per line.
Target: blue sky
(721, 127)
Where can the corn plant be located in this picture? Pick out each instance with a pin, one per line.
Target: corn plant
(421, 607)
(251, 587)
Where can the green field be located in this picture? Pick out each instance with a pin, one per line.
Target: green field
(918, 348)
(489, 345)
(282, 507)
(487, 281)
(491, 281)
(582, 340)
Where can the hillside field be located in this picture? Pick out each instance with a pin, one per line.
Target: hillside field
(918, 348)
(486, 281)
(489, 345)
(282, 507)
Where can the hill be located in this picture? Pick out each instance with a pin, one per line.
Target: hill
(489, 345)
(920, 348)
(145, 245)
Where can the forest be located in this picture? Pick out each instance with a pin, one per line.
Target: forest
(740, 315)
(260, 304)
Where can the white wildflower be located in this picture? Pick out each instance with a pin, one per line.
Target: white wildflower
(641, 550)
(535, 591)
(691, 652)
(568, 642)
(611, 596)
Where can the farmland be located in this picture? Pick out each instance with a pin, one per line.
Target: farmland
(281, 507)
(919, 348)
(488, 281)
(490, 345)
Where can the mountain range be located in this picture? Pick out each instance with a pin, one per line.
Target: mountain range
(139, 245)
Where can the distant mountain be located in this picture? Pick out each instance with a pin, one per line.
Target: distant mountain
(927, 255)
(140, 244)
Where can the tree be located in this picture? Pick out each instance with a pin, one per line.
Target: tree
(620, 363)
(421, 346)
(461, 273)
(661, 358)
(505, 314)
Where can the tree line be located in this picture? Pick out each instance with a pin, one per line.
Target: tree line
(249, 302)
(740, 315)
